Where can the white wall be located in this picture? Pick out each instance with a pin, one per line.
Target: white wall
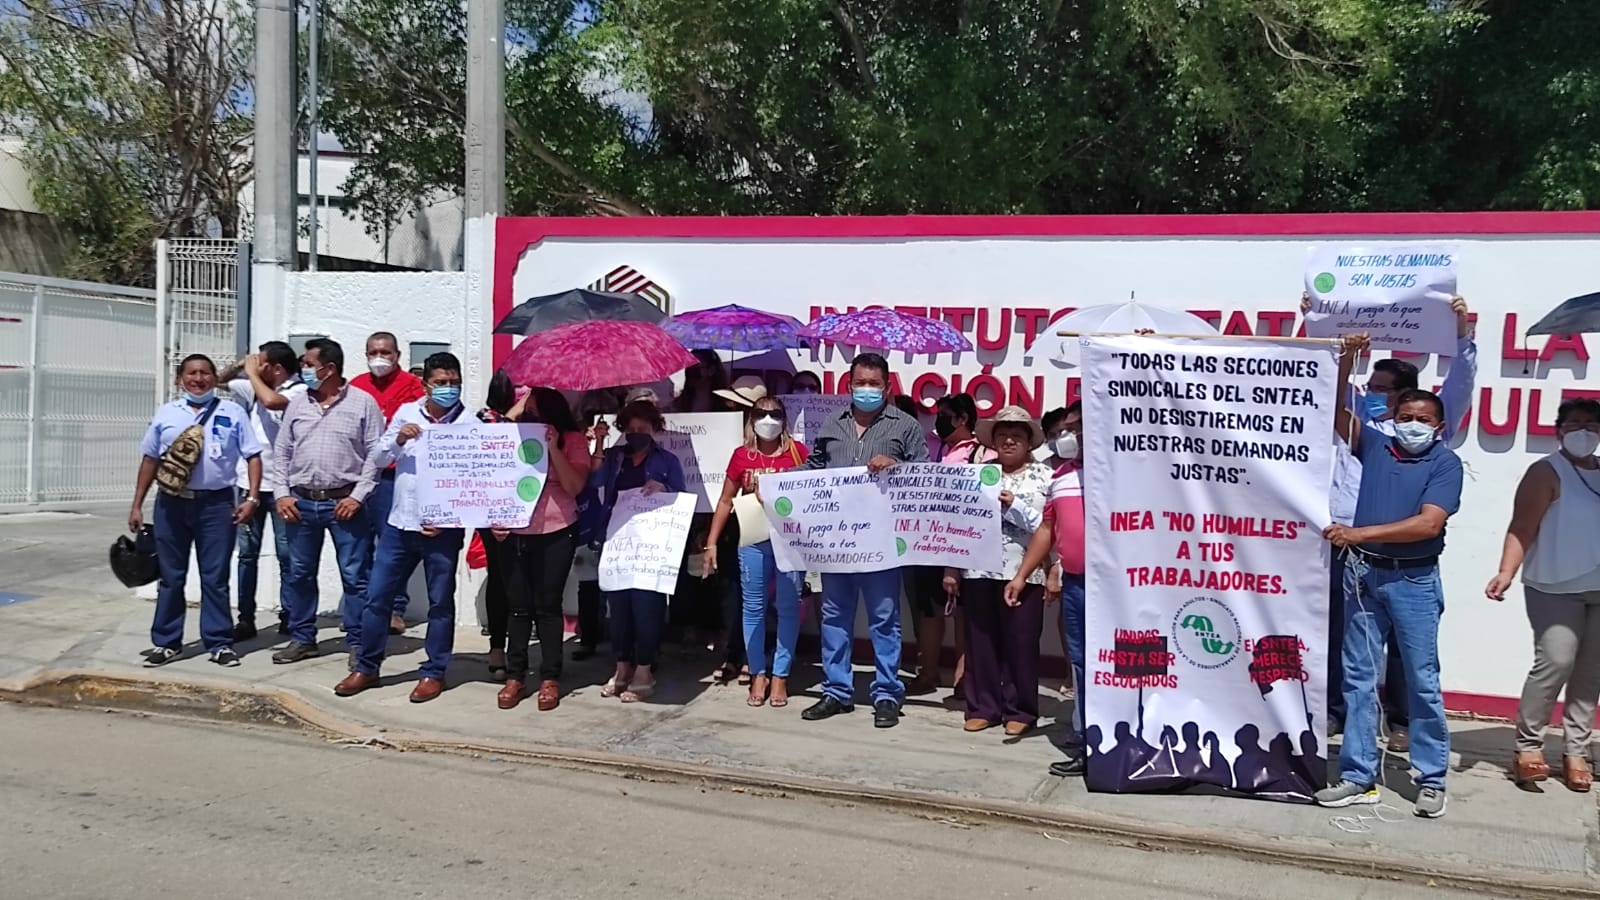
(1000, 289)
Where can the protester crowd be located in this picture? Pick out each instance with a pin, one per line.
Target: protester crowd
(319, 454)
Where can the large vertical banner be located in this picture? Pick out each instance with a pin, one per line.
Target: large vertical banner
(1206, 492)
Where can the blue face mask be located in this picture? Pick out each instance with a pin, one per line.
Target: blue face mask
(1415, 437)
(867, 399)
(1376, 403)
(309, 376)
(445, 396)
(201, 399)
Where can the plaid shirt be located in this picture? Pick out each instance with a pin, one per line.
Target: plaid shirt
(327, 449)
(893, 434)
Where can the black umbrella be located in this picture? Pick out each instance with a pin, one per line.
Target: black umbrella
(577, 305)
(1580, 315)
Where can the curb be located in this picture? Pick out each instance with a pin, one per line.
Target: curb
(211, 701)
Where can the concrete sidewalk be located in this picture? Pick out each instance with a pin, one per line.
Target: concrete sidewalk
(62, 611)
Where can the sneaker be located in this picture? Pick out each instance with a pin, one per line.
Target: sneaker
(244, 631)
(225, 657)
(293, 653)
(1431, 802)
(1348, 793)
(160, 656)
(1399, 740)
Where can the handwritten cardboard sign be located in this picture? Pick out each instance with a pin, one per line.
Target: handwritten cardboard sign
(703, 443)
(946, 515)
(645, 540)
(476, 475)
(807, 412)
(1399, 295)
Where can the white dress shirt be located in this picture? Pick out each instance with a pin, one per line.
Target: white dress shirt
(403, 514)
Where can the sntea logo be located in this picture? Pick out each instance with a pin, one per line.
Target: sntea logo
(1205, 633)
(628, 280)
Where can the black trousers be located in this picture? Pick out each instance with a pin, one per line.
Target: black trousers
(536, 577)
(494, 594)
(591, 614)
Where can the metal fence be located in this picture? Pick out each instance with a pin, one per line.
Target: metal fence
(76, 383)
(202, 300)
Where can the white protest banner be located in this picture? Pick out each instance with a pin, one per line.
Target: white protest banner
(1206, 492)
(1399, 295)
(477, 475)
(946, 515)
(807, 412)
(703, 443)
(645, 541)
(848, 520)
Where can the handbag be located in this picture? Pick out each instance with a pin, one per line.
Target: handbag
(172, 472)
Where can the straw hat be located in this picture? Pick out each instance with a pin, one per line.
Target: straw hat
(1011, 415)
(746, 390)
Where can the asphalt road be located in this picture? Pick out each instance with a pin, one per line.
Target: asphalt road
(105, 806)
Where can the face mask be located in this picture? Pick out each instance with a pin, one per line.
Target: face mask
(1580, 443)
(867, 399)
(637, 442)
(1067, 445)
(768, 429)
(944, 426)
(445, 396)
(1415, 437)
(380, 366)
(309, 376)
(1377, 404)
(208, 396)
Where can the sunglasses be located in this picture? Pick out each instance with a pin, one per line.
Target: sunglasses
(769, 414)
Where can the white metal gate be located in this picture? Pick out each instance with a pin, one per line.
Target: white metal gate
(75, 388)
(199, 302)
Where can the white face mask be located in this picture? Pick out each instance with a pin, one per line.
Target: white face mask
(1415, 437)
(1580, 443)
(768, 429)
(1066, 445)
(380, 366)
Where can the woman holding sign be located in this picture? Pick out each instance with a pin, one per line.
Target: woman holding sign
(637, 616)
(1003, 628)
(768, 448)
(538, 555)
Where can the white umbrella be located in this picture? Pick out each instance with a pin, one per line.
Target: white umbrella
(1123, 318)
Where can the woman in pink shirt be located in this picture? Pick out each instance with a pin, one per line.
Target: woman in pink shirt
(538, 555)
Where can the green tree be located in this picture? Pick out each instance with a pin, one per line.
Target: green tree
(136, 120)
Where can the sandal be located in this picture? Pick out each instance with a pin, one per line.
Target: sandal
(638, 692)
(758, 691)
(1577, 774)
(744, 676)
(613, 687)
(725, 674)
(778, 692)
(1528, 767)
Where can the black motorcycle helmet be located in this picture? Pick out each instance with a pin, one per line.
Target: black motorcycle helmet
(133, 559)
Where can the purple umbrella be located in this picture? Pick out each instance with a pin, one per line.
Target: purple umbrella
(886, 329)
(734, 327)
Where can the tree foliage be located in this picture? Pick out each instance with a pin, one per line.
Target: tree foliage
(136, 121)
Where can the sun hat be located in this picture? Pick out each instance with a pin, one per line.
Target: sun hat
(1010, 415)
(746, 390)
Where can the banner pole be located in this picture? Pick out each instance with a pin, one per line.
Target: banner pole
(1205, 337)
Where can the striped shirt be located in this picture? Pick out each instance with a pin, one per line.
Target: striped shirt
(1064, 512)
(840, 445)
(327, 449)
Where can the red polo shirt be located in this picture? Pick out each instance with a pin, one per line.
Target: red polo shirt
(400, 388)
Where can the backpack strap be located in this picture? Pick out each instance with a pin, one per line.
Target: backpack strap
(209, 410)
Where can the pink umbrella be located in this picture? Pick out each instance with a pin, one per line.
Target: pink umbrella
(585, 356)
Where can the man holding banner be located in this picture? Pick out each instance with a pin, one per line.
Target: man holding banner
(871, 433)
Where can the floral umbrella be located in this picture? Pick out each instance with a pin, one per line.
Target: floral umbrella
(586, 356)
(735, 327)
(886, 329)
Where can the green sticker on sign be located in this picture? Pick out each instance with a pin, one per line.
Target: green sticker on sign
(528, 488)
(1324, 282)
(900, 546)
(530, 452)
(783, 506)
(989, 475)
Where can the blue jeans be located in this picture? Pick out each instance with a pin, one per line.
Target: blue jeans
(757, 569)
(1393, 680)
(352, 545)
(881, 593)
(637, 618)
(250, 537)
(1410, 601)
(377, 509)
(396, 558)
(1072, 622)
(206, 524)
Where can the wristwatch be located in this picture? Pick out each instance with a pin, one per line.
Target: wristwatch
(252, 499)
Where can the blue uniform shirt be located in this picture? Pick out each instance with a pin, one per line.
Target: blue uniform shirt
(1395, 486)
(229, 438)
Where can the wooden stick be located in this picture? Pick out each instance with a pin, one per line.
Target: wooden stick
(1202, 337)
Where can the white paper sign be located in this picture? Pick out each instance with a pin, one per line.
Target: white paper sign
(807, 412)
(1399, 295)
(645, 540)
(1205, 495)
(916, 514)
(477, 474)
(703, 443)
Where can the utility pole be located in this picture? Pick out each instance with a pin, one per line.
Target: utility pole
(313, 101)
(277, 201)
(486, 177)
